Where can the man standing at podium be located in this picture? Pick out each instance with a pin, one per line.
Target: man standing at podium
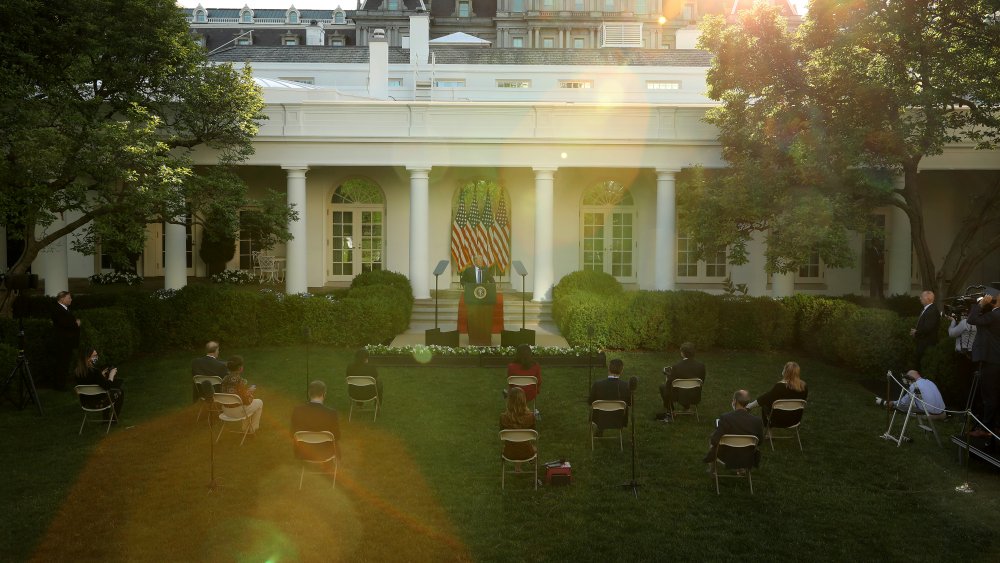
(478, 272)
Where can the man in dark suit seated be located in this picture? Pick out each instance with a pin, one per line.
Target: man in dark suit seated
(209, 364)
(687, 368)
(314, 416)
(738, 421)
(610, 389)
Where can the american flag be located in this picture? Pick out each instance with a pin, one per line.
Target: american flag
(486, 229)
(472, 229)
(500, 235)
(459, 246)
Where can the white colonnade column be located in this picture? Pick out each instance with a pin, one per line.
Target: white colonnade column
(783, 285)
(419, 225)
(665, 262)
(544, 206)
(900, 248)
(54, 260)
(175, 254)
(295, 250)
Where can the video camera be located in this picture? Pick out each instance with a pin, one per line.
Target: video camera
(959, 305)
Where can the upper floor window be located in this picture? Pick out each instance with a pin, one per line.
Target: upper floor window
(449, 83)
(395, 82)
(392, 4)
(579, 5)
(687, 13)
(517, 5)
(246, 16)
(337, 41)
(609, 5)
(548, 4)
(244, 40)
(578, 42)
(200, 16)
(517, 42)
(663, 84)
(548, 42)
(290, 40)
(338, 17)
(642, 6)
(293, 16)
(463, 8)
(576, 84)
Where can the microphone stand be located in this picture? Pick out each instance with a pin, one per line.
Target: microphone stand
(212, 484)
(590, 358)
(633, 484)
(308, 335)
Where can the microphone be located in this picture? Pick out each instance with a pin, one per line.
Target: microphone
(633, 383)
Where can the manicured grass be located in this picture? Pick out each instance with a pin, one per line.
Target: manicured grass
(423, 483)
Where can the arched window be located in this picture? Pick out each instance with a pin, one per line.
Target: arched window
(338, 17)
(292, 16)
(608, 223)
(246, 15)
(356, 229)
(200, 16)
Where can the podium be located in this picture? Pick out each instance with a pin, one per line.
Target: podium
(479, 301)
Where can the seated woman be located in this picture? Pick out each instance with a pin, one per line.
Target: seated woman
(87, 373)
(525, 364)
(790, 387)
(517, 417)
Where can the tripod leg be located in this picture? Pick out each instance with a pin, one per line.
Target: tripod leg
(29, 385)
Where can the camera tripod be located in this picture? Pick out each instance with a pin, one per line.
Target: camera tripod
(22, 374)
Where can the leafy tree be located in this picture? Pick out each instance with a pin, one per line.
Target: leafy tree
(815, 123)
(102, 103)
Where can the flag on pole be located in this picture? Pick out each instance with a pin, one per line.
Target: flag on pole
(500, 235)
(459, 250)
(485, 229)
(472, 228)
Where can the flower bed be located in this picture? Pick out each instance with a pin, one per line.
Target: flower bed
(481, 356)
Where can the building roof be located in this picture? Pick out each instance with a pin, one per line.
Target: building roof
(459, 38)
(463, 56)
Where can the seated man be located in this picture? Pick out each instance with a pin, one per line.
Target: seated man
(209, 364)
(235, 384)
(610, 389)
(929, 400)
(738, 421)
(314, 416)
(687, 368)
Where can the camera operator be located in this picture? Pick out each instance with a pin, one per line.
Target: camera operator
(964, 335)
(929, 401)
(986, 350)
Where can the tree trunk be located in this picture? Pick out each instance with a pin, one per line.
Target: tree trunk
(7, 297)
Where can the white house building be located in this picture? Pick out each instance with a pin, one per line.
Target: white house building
(577, 150)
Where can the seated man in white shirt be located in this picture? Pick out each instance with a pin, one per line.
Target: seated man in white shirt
(928, 398)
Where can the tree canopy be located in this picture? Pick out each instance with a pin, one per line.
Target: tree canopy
(101, 104)
(815, 123)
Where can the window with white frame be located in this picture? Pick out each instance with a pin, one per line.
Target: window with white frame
(299, 79)
(244, 40)
(712, 268)
(578, 42)
(513, 83)
(337, 41)
(642, 6)
(663, 84)
(517, 42)
(609, 5)
(463, 8)
(449, 83)
(392, 4)
(548, 42)
(811, 270)
(576, 84)
(580, 5)
(687, 13)
(548, 4)
(517, 5)
(395, 82)
(290, 40)
(339, 17)
(246, 16)
(293, 16)
(200, 16)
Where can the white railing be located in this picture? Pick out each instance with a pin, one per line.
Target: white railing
(268, 21)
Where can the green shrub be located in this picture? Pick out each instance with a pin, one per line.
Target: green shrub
(694, 318)
(375, 314)
(8, 358)
(38, 341)
(870, 341)
(110, 331)
(650, 318)
(590, 281)
(583, 311)
(384, 278)
(904, 305)
(753, 323)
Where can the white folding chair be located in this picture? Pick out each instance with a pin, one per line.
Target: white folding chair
(94, 399)
(362, 390)
(526, 436)
(306, 441)
(268, 268)
(787, 413)
(523, 381)
(686, 391)
(232, 409)
(747, 458)
(607, 406)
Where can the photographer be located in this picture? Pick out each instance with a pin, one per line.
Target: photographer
(929, 399)
(986, 350)
(87, 373)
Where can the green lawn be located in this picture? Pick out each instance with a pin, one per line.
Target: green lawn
(423, 483)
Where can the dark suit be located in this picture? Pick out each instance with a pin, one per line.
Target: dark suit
(684, 369)
(469, 275)
(207, 365)
(316, 417)
(737, 422)
(66, 339)
(926, 334)
(610, 389)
